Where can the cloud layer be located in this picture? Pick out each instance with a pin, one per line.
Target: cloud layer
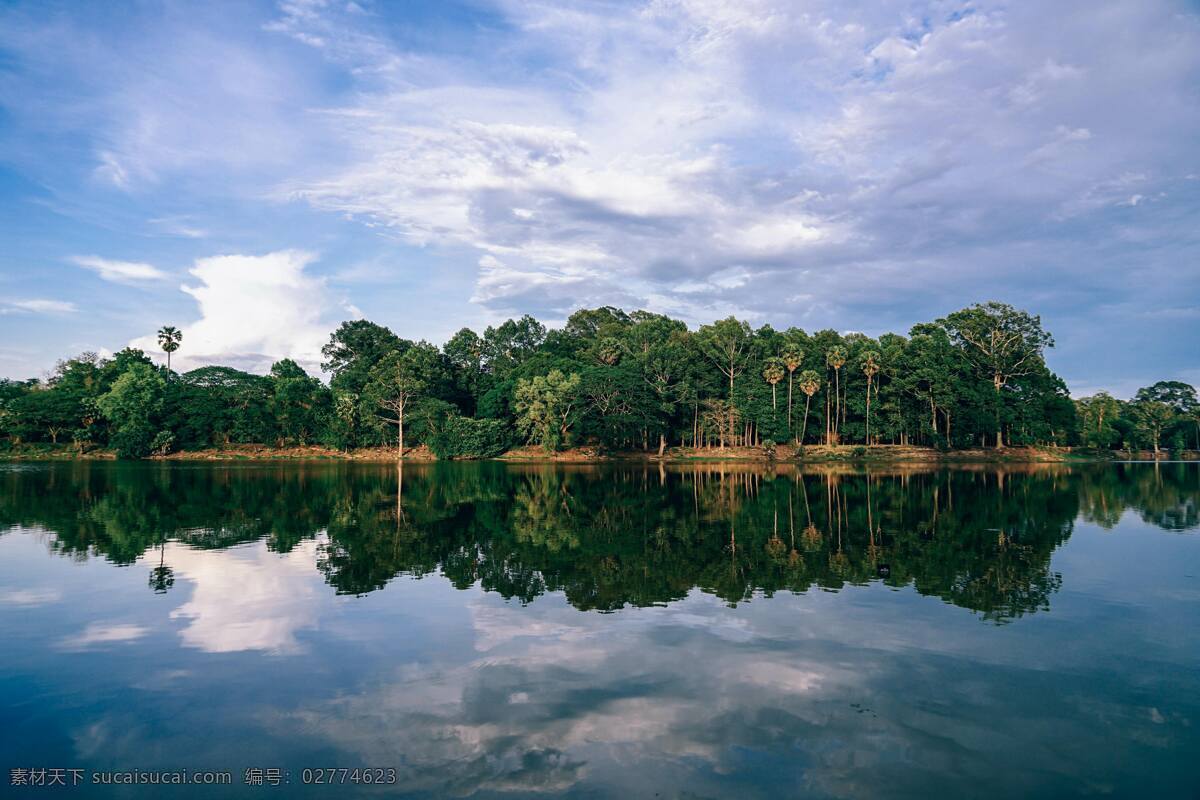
(860, 165)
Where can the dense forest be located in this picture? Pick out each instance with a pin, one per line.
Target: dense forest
(608, 379)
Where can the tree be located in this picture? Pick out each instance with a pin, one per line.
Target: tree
(835, 357)
(725, 343)
(464, 352)
(773, 373)
(1152, 417)
(1180, 396)
(1002, 342)
(547, 407)
(169, 338)
(398, 380)
(353, 351)
(870, 368)
(133, 406)
(512, 343)
(299, 403)
(810, 384)
(1098, 414)
(793, 356)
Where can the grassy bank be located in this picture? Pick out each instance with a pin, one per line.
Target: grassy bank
(812, 454)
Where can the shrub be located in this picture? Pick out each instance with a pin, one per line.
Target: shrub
(464, 437)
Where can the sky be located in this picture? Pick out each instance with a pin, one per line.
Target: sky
(256, 173)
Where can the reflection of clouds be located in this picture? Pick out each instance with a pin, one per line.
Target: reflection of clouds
(247, 598)
(104, 633)
(699, 698)
(554, 696)
(30, 597)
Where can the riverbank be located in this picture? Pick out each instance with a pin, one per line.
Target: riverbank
(811, 454)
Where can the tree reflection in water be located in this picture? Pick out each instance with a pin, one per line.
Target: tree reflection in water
(614, 535)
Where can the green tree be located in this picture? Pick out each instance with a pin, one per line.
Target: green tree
(725, 343)
(773, 373)
(1002, 342)
(870, 368)
(133, 406)
(1152, 417)
(299, 403)
(1097, 415)
(1180, 396)
(835, 358)
(169, 339)
(810, 384)
(398, 380)
(547, 407)
(793, 357)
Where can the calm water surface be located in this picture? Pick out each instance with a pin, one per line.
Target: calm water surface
(491, 630)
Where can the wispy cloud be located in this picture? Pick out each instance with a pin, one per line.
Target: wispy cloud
(39, 306)
(101, 633)
(120, 271)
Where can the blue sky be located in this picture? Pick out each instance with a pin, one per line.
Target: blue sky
(255, 173)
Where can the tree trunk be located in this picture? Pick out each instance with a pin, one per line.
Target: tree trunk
(807, 400)
(837, 408)
(868, 437)
(400, 436)
(789, 400)
(998, 382)
(662, 444)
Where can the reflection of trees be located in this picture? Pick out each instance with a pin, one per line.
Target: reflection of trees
(614, 536)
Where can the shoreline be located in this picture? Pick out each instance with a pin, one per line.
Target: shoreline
(813, 454)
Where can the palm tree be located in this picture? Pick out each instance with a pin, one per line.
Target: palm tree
(169, 338)
(793, 357)
(810, 384)
(836, 358)
(773, 373)
(870, 368)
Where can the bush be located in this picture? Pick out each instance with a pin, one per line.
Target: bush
(859, 451)
(464, 437)
(132, 441)
(163, 443)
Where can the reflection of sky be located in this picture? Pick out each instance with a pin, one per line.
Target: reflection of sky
(870, 692)
(247, 598)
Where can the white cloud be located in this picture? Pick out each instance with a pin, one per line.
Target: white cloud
(120, 271)
(105, 633)
(30, 597)
(255, 310)
(251, 599)
(40, 306)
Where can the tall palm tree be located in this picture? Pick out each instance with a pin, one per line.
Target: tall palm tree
(773, 373)
(810, 384)
(793, 357)
(870, 368)
(169, 338)
(836, 358)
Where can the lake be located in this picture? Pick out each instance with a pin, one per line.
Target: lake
(623, 630)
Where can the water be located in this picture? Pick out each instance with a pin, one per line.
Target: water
(622, 631)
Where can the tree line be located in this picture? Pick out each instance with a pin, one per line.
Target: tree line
(610, 379)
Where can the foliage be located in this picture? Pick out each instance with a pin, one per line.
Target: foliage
(464, 437)
(548, 407)
(134, 406)
(618, 380)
